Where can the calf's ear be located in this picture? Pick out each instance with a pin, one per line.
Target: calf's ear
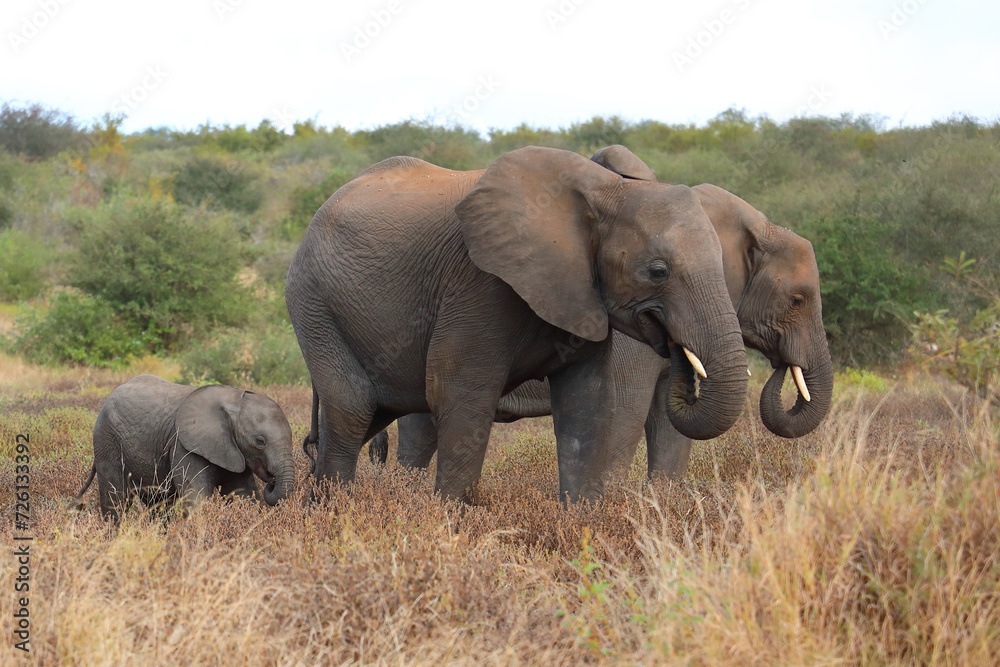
(205, 424)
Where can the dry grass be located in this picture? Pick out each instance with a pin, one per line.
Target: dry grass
(874, 540)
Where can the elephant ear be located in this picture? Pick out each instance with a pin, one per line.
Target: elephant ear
(205, 423)
(622, 161)
(533, 220)
(744, 232)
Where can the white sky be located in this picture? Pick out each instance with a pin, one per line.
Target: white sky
(549, 63)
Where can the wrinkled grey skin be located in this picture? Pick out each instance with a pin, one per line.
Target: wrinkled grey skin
(490, 278)
(168, 441)
(773, 280)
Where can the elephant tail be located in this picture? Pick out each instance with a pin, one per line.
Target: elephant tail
(78, 501)
(313, 436)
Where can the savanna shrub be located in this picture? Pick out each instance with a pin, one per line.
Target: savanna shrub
(262, 139)
(76, 329)
(598, 132)
(164, 269)
(239, 357)
(22, 264)
(450, 147)
(306, 200)
(867, 288)
(503, 141)
(37, 132)
(218, 184)
(6, 214)
(966, 345)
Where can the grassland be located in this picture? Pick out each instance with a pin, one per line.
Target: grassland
(874, 540)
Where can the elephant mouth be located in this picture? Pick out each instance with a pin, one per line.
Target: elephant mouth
(653, 329)
(263, 473)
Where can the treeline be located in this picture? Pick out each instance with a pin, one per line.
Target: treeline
(85, 212)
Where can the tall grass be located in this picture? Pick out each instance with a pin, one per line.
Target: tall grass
(873, 540)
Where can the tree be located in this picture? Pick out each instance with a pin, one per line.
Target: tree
(37, 132)
(166, 270)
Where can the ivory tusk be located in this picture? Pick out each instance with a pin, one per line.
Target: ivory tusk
(695, 362)
(749, 373)
(800, 382)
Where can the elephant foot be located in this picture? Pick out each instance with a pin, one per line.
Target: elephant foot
(378, 448)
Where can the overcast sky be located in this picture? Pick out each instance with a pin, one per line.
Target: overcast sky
(548, 63)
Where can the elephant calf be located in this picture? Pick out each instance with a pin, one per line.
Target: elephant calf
(167, 441)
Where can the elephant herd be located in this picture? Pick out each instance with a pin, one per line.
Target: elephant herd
(547, 283)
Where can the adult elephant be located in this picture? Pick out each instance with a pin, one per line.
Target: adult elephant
(773, 281)
(418, 289)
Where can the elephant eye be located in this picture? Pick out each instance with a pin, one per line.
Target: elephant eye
(797, 300)
(658, 270)
(260, 441)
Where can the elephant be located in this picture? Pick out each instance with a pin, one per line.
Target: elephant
(773, 281)
(485, 279)
(169, 441)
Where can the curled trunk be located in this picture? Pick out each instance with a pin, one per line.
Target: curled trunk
(804, 416)
(281, 486)
(716, 405)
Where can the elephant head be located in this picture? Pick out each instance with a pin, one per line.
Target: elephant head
(773, 278)
(236, 429)
(586, 248)
(773, 281)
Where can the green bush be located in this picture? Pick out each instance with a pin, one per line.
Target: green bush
(218, 184)
(240, 357)
(263, 139)
(965, 346)
(6, 214)
(867, 289)
(503, 141)
(306, 200)
(449, 147)
(76, 329)
(165, 270)
(22, 264)
(598, 132)
(37, 132)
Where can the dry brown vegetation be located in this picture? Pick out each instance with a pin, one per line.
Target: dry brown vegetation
(875, 539)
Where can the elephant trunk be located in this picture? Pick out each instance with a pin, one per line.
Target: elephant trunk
(281, 485)
(716, 405)
(805, 415)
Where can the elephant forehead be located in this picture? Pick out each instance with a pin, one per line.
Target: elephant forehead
(795, 260)
(262, 411)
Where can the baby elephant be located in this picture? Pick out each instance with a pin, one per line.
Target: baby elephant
(168, 441)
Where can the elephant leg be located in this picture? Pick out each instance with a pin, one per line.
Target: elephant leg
(667, 450)
(418, 440)
(637, 370)
(463, 398)
(463, 436)
(342, 434)
(584, 403)
(347, 410)
(378, 448)
(193, 477)
(113, 495)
